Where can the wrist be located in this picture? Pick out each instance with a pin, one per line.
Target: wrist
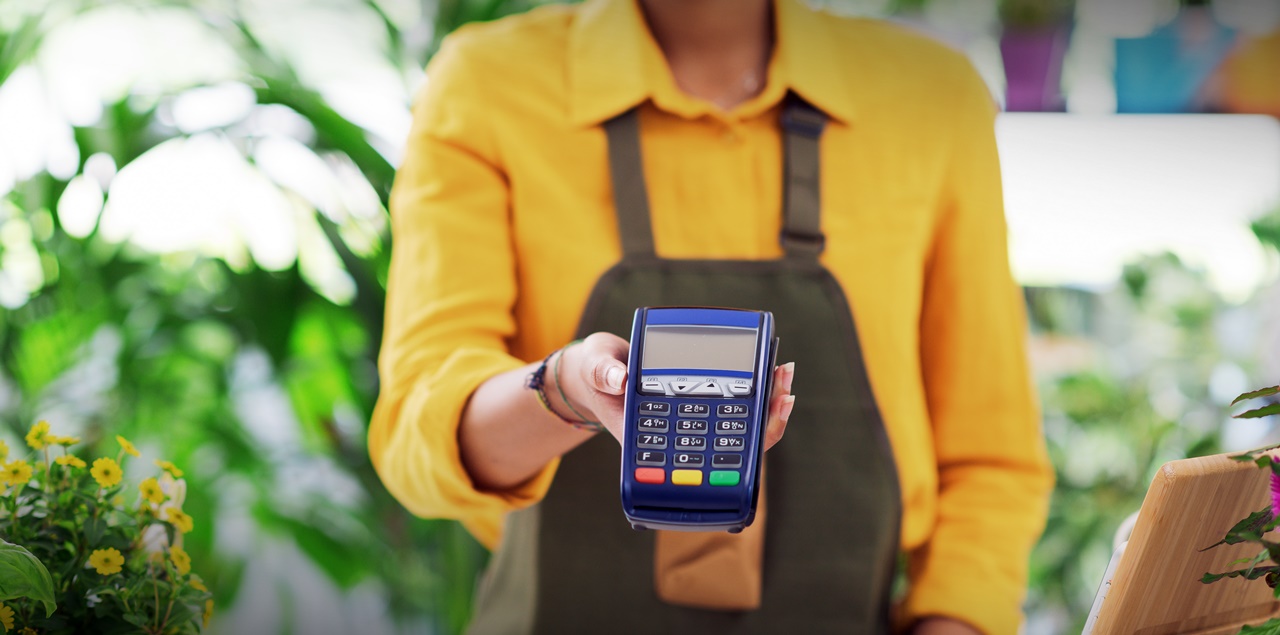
(564, 386)
(558, 383)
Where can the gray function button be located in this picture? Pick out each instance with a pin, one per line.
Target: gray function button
(691, 443)
(731, 410)
(726, 460)
(731, 427)
(646, 457)
(693, 410)
(651, 442)
(729, 444)
(740, 389)
(681, 386)
(651, 424)
(654, 408)
(652, 387)
(682, 459)
(691, 426)
(707, 388)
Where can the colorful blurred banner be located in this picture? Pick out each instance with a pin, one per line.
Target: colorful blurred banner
(1166, 70)
(1250, 78)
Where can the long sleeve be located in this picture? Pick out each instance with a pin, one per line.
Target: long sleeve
(994, 474)
(450, 293)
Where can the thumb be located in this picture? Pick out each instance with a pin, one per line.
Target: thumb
(607, 375)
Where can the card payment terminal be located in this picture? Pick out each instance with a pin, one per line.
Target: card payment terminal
(697, 400)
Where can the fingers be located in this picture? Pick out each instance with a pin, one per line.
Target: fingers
(605, 369)
(781, 405)
(598, 378)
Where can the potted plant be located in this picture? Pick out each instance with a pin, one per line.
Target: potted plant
(1033, 43)
(84, 551)
(1265, 565)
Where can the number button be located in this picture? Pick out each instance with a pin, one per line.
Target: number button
(691, 426)
(691, 443)
(730, 444)
(731, 410)
(654, 408)
(651, 424)
(694, 409)
(731, 427)
(652, 441)
(647, 457)
(682, 459)
(726, 460)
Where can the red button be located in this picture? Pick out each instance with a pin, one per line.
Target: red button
(655, 475)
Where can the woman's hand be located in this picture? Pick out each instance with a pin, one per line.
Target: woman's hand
(593, 375)
(943, 626)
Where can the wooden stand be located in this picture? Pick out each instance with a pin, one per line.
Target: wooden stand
(1156, 589)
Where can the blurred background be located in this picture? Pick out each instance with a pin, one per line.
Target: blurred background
(193, 248)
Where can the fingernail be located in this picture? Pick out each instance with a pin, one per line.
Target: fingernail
(613, 377)
(788, 403)
(788, 374)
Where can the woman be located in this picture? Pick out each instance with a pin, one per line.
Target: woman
(573, 163)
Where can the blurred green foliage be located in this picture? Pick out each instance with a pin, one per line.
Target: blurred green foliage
(1125, 378)
(148, 345)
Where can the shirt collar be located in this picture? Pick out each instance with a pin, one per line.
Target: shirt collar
(615, 64)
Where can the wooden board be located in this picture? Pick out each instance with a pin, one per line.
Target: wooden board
(1156, 589)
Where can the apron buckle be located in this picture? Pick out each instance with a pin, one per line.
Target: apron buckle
(804, 240)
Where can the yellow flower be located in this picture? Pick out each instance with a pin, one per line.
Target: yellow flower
(57, 440)
(181, 561)
(38, 437)
(208, 612)
(151, 490)
(27, 630)
(69, 459)
(197, 584)
(106, 561)
(4, 451)
(6, 618)
(179, 519)
(106, 472)
(128, 447)
(16, 472)
(170, 468)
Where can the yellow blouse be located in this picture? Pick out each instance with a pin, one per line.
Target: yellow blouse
(503, 221)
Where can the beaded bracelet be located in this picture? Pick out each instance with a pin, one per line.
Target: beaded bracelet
(537, 382)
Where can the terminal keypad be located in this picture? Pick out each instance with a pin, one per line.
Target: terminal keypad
(686, 437)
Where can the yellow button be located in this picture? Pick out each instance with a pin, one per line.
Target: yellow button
(686, 477)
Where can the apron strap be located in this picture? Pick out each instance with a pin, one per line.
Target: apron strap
(630, 199)
(801, 235)
(802, 127)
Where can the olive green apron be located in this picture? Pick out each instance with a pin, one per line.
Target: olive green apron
(572, 563)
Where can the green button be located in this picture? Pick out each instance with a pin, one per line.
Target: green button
(724, 478)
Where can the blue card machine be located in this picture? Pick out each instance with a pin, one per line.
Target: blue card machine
(697, 401)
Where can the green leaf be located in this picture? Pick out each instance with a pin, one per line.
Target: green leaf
(1246, 529)
(1252, 573)
(1270, 627)
(1264, 392)
(22, 575)
(1265, 411)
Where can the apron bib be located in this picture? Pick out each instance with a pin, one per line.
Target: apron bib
(572, 563)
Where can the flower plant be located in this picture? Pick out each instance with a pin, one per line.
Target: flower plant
(84, 551)
(1253, 529)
